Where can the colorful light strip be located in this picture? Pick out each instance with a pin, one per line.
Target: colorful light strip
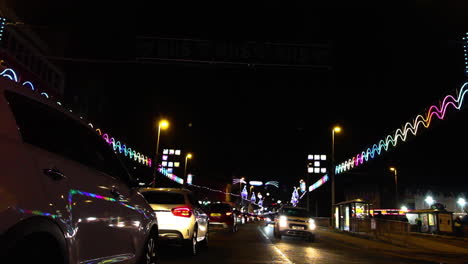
(116, 145)
(318, 183)
(465, 52)
(171, 176)
(393, 139)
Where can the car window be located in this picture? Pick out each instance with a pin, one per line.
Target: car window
(220, 207)
(164, 197)
(295, 212)
(51, 130)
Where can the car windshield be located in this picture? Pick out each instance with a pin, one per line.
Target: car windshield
(295, 212)
(220, 207)
(164, 197)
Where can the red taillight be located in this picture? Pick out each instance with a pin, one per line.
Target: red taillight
(182, 211)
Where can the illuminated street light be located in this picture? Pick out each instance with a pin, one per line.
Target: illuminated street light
(188, 156)
(396, 185)
(163, 124)
(429, 200)
(461, 202)
(336, 129)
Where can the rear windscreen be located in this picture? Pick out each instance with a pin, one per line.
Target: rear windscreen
(220, 207)
(164, 198)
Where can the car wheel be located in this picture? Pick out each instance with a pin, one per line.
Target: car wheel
(276, 234)
(192, 244)
(205, 241)
(150, 255)
(311, 238)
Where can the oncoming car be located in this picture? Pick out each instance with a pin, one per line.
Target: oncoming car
(294, 221)
(181, 218)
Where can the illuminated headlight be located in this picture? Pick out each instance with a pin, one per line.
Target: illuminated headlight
(268, 219)
(283, 221)
(311, 224)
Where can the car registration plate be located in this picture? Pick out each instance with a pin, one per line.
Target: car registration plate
(215, 214)
(298, 227)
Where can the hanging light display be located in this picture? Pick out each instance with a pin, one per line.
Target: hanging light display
(253, 198)
(401, 134)
(272, 183)
(295, 197)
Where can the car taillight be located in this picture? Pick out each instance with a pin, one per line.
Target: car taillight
(228, 213)
(182, 211)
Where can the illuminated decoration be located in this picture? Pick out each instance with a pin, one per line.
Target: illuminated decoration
(35, 212)
(189, 178)
(465, 52)
(256, 183)
(318, 183)
(302, 185)
(244, 193)
(259, 195)
(2, 26)
(260, 202)
(177, 152)
(295, 197)
(272, 183)
(253, 199)
(400, 135)
(171, 176)
(316, 164)
(237, 180)
(116, 145)
(28, 83)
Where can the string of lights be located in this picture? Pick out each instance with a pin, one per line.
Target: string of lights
(400, 135)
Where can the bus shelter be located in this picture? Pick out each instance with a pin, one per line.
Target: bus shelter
(350, 211)
(430, 221)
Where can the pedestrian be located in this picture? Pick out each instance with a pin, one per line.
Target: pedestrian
(458, 226)
(418, 224)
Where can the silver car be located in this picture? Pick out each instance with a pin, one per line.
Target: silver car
(294, 221)
(65, 196)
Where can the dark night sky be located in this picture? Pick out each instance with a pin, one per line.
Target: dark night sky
(389, 64)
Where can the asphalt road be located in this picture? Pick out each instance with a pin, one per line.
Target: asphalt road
(255, 244)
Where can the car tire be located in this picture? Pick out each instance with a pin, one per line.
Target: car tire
(311, 238)
(276, 234)
(192, 245)
(205, 241)
(150, 254)
(234, 228)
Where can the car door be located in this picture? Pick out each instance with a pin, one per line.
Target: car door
(80, 195)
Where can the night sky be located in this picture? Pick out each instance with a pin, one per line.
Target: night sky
(388, 63)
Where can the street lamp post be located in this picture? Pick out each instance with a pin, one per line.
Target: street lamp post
(163, 124)
(396, 185)
(188, 156)
(336, 129)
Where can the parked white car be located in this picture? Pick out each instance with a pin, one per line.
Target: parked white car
(180, 216)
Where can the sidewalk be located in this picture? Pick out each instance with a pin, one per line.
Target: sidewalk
(442, 249)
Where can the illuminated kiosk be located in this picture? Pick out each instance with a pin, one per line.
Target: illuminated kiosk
(347, 212)
(434, 220)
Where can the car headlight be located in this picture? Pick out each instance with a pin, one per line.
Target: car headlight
(312, 224)
(283, 221)
(268, 219)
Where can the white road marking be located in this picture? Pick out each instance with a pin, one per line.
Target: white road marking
(285, 259)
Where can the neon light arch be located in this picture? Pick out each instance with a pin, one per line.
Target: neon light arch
(401, 134)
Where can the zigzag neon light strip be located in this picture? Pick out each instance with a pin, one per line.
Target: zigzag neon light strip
(116, 145)
(318, 183)
(171, 176)
(400, 135)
